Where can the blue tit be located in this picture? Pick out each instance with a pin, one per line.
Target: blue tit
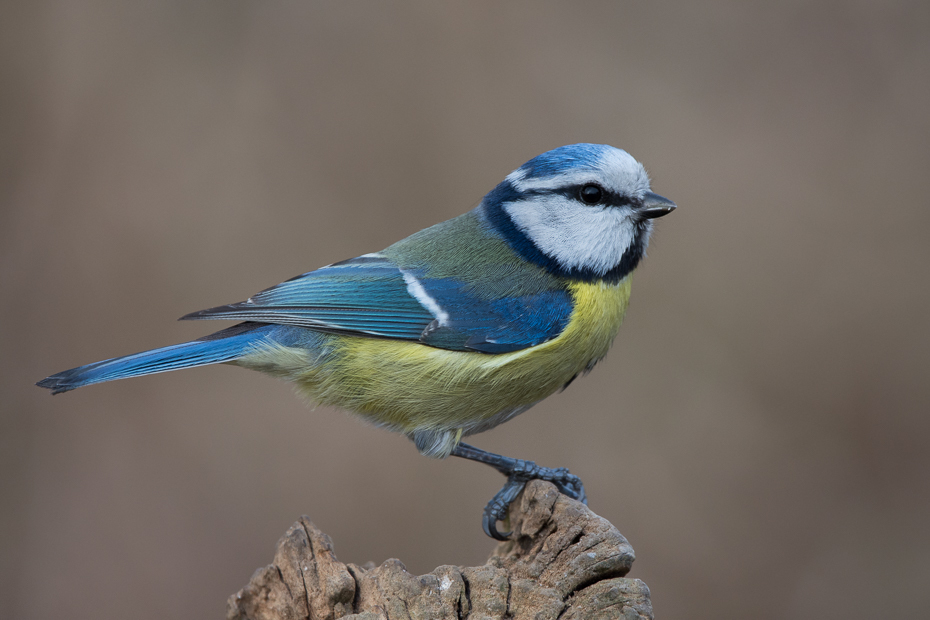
(458, 327)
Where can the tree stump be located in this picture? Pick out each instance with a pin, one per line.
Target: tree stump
(562, 561)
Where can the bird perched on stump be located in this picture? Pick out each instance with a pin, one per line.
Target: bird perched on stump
(457, 328)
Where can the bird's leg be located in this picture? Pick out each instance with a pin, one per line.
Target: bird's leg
(518, 473)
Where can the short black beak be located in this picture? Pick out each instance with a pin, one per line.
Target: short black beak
(655, 206)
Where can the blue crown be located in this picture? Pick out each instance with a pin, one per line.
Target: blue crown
(570, 157)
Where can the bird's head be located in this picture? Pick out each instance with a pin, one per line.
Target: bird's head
(582, 211)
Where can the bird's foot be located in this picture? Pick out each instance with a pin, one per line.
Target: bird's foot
(518, 473)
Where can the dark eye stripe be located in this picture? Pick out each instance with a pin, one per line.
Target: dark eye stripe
(608, 198)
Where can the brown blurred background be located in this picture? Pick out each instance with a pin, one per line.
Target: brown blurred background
(760, 431)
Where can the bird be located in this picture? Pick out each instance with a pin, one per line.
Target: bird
(456, 328)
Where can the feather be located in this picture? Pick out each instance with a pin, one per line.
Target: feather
(222, 346)
(371, 296)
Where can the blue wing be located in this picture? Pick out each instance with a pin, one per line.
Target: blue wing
(371, 296)
(365, 295)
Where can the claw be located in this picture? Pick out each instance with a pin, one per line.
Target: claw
(489, 524)
(518, 473)
(497, 508)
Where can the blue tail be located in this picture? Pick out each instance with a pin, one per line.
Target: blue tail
(223, 346)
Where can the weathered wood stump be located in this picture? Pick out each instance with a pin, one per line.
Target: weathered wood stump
(563, 561)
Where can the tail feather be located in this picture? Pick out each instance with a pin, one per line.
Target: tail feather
(223, 346)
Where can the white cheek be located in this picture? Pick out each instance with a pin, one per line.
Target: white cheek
(574, 235)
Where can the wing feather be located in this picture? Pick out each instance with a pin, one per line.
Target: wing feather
(366, 295)
(371, 296)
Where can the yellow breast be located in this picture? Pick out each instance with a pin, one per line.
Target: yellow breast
(408, 386)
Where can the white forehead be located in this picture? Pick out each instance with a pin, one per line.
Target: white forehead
(610, 167)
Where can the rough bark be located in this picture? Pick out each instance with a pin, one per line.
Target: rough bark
(563, 561)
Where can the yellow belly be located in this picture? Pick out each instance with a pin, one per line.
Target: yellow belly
(407, 386)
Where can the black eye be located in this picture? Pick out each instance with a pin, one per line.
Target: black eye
(591, 194)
